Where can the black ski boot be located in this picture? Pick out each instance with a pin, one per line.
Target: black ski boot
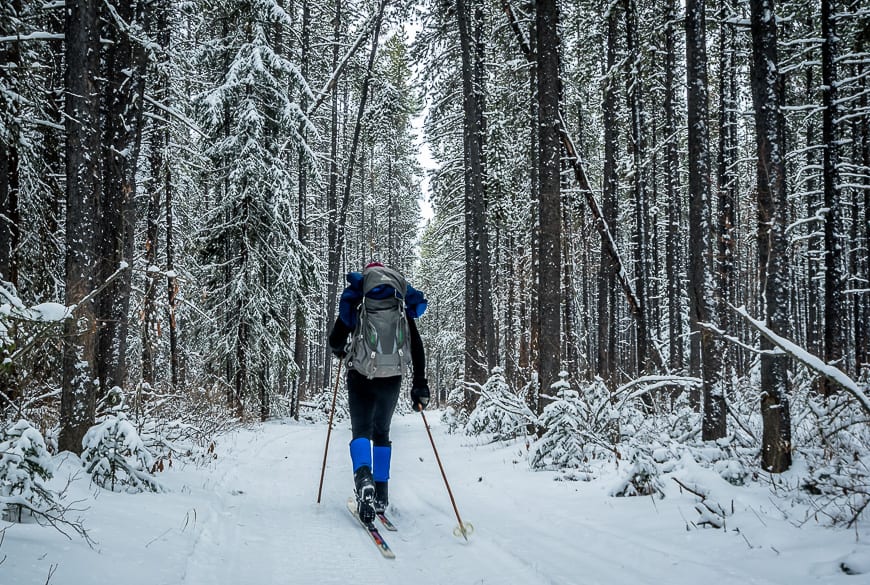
(381, 498)
(365, 494)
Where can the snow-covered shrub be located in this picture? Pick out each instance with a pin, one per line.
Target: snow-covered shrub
(561, 445)
(116, 457)
(499, 413)
(456, 396)
(732, 470)
(641, 478)
(833, 439)
(454, 419)
(319, 406)
(25, 466)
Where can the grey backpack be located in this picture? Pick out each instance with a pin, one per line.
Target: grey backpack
(380, 345)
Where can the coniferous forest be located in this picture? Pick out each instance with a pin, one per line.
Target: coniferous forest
(650, 219)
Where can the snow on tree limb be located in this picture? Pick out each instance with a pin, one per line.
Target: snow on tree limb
(830, 372)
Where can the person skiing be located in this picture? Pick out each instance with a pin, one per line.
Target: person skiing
(378, 307)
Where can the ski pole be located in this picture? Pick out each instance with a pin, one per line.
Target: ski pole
(329, 431)
(461, 527)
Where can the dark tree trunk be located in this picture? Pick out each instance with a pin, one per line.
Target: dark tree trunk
(83, 196)
(333, 254)
(549, 198)
(10, 220)
(478, 303)
(300, 338)
(122, 134)
(530, 363)
(673, 257)
(637, 150)
(862, 306)
(607, 325)
(814, 303)
(171, 279)
(727, 183)
(767, 97)
(701, 247)
(835, 271)
(159, 158)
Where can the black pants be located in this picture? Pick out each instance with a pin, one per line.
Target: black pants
(371, 404)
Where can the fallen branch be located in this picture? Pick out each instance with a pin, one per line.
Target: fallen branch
(829, 372)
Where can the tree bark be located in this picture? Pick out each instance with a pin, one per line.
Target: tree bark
(702, 287)
(333, 254)
(83, 196)
(835, 270)
(479, 338)
(607, 326)
(767, 97)
(10, 219)
(122, 134)
(637, 150)
(300, 337)
(549, 193)
(673, 241)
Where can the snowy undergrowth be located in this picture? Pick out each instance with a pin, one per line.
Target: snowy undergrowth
(649, 435)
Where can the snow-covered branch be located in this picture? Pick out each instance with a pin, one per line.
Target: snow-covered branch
(830, 372)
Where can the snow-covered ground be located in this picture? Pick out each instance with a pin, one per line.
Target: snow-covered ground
(250, 516)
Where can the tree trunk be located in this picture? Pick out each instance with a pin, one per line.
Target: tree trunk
(701, 230)
(122, 134)
(727, 183)
(607, 325)
(549, 193)
(159, 155)
(673, 241)
(835, 270)
(479, 356)
(10, 70)
(637, 148)
(300, 337)
(333, 254)
(83, 196)
(862, 306)
(767, 97)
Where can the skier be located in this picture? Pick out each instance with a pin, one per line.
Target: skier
(374, 372)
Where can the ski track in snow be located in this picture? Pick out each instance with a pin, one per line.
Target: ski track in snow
(250, 516)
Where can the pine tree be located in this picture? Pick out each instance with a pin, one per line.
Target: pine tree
(25, 467)
(564, 421)
(499, 412)
(251, 257)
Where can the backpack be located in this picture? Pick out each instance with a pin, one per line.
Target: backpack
(380, 344)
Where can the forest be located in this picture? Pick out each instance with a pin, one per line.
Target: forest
(646, 224)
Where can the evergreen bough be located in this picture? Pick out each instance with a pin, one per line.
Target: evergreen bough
(116, 457)
(561, 445)
(25, 466)
(499, 413)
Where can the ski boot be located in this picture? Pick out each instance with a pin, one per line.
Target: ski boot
(381, 499)
(365, 494)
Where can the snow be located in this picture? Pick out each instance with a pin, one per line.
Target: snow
(249, 516)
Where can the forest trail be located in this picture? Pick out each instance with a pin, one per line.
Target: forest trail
(265, 527)
(250, 516)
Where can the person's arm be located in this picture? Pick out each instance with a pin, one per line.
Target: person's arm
(418, 354)
(338, 337)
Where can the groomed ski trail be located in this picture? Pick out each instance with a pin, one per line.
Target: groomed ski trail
(264, 526)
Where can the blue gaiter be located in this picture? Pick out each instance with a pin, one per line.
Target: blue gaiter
(381, 470)
(361, 453)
